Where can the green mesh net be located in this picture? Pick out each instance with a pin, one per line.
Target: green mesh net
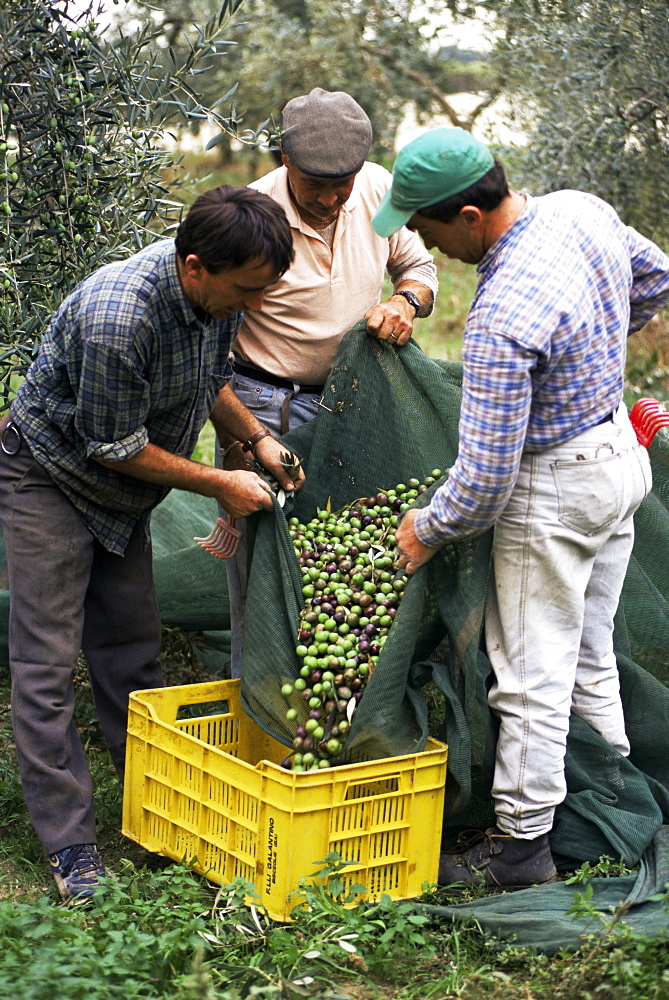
(390, 415)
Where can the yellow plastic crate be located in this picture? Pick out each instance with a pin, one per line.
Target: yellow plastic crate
(209, 787)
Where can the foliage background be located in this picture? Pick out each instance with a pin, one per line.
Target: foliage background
(81, 154)
(587, 82)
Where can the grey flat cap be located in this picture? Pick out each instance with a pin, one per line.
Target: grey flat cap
(327, 134)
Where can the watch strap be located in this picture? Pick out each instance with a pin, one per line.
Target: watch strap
(411, 299)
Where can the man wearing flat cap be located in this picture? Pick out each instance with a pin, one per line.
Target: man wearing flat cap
(283, 354)
(547, 455)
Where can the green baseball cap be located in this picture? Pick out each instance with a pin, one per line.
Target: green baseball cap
(435, 166)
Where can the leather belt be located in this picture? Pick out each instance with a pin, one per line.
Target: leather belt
(250, 371)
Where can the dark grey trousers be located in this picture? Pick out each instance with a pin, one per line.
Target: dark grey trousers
(68, 593)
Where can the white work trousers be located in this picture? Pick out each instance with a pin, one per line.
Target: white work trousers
(560, 554)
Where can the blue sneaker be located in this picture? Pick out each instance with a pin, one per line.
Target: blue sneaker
(77, 871)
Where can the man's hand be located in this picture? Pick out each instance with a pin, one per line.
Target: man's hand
(235, 458)
(239, 492)
(391, 321)
(243, 493)
(268, 453)
(412, 553)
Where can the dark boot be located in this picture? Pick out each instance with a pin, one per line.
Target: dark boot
(499, 861)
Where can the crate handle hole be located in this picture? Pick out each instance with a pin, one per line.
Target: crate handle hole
(375, 787)
(203, 709)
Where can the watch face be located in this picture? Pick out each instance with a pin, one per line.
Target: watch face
(410, 297)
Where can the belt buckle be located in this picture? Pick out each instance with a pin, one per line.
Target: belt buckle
(10, 439)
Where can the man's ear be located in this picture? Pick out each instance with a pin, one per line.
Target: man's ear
(193, 266)
(471, 214)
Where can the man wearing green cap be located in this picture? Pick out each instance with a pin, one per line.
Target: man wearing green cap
(546, 454)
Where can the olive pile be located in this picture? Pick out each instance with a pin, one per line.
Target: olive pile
(351, 593)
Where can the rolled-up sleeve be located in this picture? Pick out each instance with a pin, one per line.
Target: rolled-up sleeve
(409, 260)
(112, 403)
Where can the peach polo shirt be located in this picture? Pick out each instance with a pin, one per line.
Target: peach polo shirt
(325, 292)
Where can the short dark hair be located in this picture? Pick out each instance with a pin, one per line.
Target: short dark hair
(485, 193)
(229, 226)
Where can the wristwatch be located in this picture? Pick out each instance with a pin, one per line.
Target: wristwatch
(411, 299)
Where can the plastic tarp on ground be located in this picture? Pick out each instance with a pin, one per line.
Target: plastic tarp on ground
(387, 416)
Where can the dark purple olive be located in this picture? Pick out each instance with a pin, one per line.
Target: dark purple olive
(356, 684)
(300, 731)
(374, 649)
(370, 629)
(363, 645)
(314, 713)
(339, 617)
(306, 635)
(327, 608)
(287, 763)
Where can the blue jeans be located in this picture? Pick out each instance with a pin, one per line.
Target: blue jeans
(560, 554)
(266, 402)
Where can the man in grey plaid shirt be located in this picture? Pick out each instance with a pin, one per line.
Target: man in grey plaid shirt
(132, 365)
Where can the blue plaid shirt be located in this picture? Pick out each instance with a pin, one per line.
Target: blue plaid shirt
(544, 347)
(125, 362)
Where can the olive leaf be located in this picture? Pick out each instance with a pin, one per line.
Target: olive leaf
(82, 156)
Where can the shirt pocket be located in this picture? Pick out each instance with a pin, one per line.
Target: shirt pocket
(589, 492)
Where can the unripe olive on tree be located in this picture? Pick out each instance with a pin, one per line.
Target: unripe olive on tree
(70, 103)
